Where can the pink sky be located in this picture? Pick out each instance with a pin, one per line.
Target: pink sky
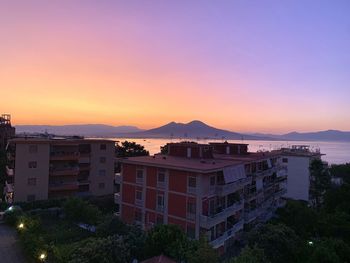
(269, 68)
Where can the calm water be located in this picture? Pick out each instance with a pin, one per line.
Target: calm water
(336, 152)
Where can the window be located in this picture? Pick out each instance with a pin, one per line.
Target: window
(30, 198)
(139, 176)
(103, 147)
(191, 184)
(160, 220)
(33, 148)
(103, 159)
(285, 160)
(138, 195)
(191, 210)
(32, 165)
(138, 216)
(212, 181)
(32, 181)
(160, 202)
(161, 178)
(102, 172)
(101, 185)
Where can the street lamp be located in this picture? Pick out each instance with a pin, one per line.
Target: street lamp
(42, 257)
(310, 243)
(21, 226)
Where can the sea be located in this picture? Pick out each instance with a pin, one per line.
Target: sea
(334, 152)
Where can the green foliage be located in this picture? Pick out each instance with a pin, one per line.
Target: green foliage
(169, 240)
(338, 199)
(130, 149)
(329, 251)
(342, 171)
(12, 215)
(78, 210)
(31, 239)
(40, 204)
(101, 250)
(299, 217)
(321, 180)
(201, 252)
(111, 225)
(251, 255)
(105, 204)
(279, 242)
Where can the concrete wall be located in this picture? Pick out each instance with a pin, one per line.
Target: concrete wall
(96, 165)
(298, 177)
(23, 172)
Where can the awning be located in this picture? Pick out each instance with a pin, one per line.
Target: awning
(234, 173)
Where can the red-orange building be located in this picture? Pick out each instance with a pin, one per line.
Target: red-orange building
(213, 189)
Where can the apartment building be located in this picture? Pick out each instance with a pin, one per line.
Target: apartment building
(297, 160)
(214, 189)
(6, 130)
(46, 168)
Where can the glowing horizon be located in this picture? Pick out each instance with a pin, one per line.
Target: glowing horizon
(260, 67)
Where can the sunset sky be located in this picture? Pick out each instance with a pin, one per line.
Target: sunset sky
(257, 66)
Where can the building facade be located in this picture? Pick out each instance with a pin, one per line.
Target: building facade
(212, 189)
(297, 160)
(48, 168)
(6, 130)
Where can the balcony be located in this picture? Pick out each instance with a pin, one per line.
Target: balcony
(73, 186)
(268, 172)
(220, 241)
(117, 198)
(84, 158)
(253, 195)
(232, 187)
(9, 171)
(62, 156)
(74, 171)
(210, 221)
(281, 192)
(250, 215)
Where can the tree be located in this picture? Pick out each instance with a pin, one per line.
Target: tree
(169, 240)
(111, 225)
(251, 255)
(80, 211)
(279, 242)
(111, 249)
(329, 251)
(320, 181)
(130, 149)
(3, 160)
(342, 171)
(201, 252)
(300, 217)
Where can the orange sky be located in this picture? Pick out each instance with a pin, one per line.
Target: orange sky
(75, 63)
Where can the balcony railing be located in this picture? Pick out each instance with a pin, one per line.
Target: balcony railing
(64, 171)
(267, 172)
(64, 187)
(250, 215)
(218, 242)
(210, 221)
(232, 187)
(281, 192)
(64, 155)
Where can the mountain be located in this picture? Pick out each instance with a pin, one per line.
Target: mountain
(93, 130)
(329, 135)
(193, 129)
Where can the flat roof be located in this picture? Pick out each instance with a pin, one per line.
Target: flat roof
(31, 140)
(249, 157)
(182, 163)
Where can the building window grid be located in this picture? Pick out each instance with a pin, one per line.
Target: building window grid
(139, 176)
(191, 210)
(32, 165)
(160, 202)
(191, 184)
(161, 179)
